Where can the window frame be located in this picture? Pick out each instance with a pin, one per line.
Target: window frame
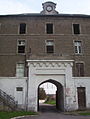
(80, 75)
(19, 76)
(18, 45)
(46, 28)
(46, 46)
(81, 47)
(20, 89)
(73, 28)
(25, 29)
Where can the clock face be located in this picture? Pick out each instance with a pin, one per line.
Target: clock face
(49, 8)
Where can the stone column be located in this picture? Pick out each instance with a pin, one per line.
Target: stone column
(70, 103)
(32, 89)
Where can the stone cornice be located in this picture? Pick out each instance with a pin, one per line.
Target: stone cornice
(50, 63)
(50, 60)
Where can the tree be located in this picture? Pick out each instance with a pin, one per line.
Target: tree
(42, 93)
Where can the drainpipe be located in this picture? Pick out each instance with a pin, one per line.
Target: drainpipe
(27, 81)
(27, 90)
(65, 93)
(26, 73)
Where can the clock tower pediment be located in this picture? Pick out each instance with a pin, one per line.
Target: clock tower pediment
(49, 8)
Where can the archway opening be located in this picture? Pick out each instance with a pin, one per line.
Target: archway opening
(54, 96)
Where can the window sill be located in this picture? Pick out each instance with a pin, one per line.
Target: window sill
(80, 54)
(21, 53)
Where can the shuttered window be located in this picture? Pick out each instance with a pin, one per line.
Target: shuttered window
(79, 69)
(20, 70)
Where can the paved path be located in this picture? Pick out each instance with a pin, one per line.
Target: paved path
(47, 108)
(55, 116)
(50, 112)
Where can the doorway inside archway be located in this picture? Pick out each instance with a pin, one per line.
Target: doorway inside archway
(50, 96)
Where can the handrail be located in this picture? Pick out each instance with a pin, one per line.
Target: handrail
(8, 99)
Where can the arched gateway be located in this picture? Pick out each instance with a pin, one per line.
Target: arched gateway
(59, 94)
(58, 72)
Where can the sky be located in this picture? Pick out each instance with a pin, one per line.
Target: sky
(35, 6)
(49, 88)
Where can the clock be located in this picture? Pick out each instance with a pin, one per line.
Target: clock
(49, 8)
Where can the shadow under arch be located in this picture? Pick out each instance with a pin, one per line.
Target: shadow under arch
(59, 94)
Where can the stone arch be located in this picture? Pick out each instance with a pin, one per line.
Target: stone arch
(59, 94)
(61, 72)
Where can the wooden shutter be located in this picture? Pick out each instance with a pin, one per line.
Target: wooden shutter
(79, 69)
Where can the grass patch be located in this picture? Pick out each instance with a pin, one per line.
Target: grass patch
(52, 102)
(84, 113)
(78, 112)
(8, 115)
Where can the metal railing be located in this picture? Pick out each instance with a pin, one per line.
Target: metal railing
(8, 100)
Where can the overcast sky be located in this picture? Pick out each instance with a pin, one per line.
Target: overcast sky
(35, 6)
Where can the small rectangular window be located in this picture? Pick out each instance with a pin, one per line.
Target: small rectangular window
(21, 46)
(19, 88)
(76, 28)
(78, 47)
(22, 29)
(49, 28)
(20, 70)
(79, 69)
(49, 46)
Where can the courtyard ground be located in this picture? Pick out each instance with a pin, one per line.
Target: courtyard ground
(50, 112)
(54, 115)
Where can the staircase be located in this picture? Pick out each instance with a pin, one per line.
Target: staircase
(8, 100)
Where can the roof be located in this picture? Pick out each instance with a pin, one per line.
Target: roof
(41, 15)
(49, 2)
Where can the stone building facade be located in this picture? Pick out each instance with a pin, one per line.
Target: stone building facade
(46, 47)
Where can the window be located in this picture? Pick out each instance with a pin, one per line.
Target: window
(79, 69)
(19, 88)
(20, 70)
(22, 29)
(49, 46)
(78, 47)
(76, 29)
(21, 46)
(49, 28)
